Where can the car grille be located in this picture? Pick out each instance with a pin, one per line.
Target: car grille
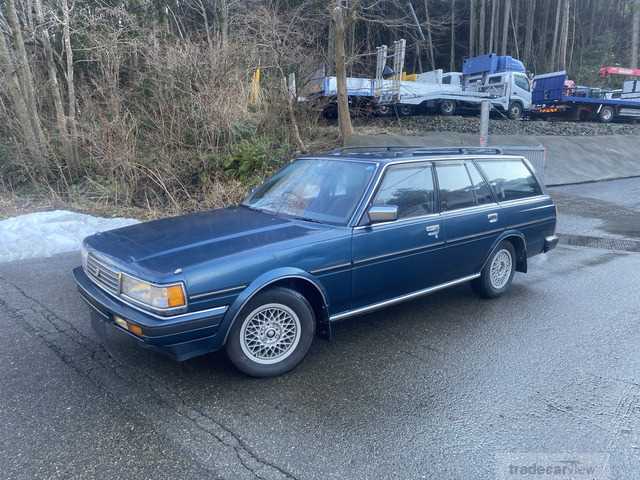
(102, 275)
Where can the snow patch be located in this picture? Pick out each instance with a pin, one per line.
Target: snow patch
(44, 234)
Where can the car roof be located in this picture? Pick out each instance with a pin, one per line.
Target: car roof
(387, 154)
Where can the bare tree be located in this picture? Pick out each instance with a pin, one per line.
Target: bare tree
(429, 34)
(556, 31)
(494, 21)
(505, 27)
(564, 35)
(635, 34)
(472, 28)
(71, 89)
(528, 40)
(344, 119)
(453, 36)
(482, 26)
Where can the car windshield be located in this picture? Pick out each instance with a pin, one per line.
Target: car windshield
(324, 191)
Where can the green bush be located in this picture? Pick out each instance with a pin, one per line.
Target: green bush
(251, 159)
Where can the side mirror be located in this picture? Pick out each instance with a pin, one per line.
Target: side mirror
(386, 213)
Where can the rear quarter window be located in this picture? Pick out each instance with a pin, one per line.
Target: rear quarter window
(510, 179)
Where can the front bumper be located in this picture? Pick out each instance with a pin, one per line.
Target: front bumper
(181, 336)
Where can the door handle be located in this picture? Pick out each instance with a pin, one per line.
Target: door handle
(493, 217)
(433, 230)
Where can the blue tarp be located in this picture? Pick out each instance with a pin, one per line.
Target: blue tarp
(491, 63)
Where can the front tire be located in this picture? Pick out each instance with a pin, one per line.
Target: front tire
(272, 333)
(447, 107)
(515, 111)
(498, 273)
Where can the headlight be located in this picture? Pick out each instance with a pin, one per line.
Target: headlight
(170, 296)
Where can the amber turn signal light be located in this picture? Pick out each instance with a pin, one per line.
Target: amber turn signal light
(175, 296)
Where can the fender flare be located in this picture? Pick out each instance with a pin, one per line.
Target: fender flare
(521, 261)
(263, 281)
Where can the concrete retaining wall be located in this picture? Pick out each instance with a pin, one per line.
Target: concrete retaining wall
(569, 159)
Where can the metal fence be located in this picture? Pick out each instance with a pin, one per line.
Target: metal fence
(536, 154)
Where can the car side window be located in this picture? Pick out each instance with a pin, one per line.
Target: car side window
(410, 188)
(510, 179)
(456, 189)
(480, 187)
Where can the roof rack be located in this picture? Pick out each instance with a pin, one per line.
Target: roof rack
(417, 150)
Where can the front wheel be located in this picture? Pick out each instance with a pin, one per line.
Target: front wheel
(497, 275)
(272, 334)
(515, 111)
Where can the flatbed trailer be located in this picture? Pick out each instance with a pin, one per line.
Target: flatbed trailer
(553, 96)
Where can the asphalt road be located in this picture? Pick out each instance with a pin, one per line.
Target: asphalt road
(436, 388)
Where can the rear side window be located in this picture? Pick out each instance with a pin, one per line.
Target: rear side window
(510, 179)
(410, 188)
(456, 189)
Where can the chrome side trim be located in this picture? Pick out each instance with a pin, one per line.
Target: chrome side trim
(538, 208)
(218, 292)
(213, 311)
(330, 268)
(475, 235)
(402, 298)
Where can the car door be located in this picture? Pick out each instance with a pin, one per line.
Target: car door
(524, 206)
(395, 258)
(470, 216)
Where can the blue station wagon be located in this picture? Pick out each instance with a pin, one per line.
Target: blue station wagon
(326, 238)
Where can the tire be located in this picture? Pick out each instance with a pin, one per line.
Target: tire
(280, 312)
(405, 110)
(607, 114)
(447, 107)
(515, 111)
(383, 110)
(503, 262)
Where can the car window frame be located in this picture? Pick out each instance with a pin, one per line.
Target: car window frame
(362, 220)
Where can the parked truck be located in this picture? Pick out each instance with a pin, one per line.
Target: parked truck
(554, 95)
(501, 80)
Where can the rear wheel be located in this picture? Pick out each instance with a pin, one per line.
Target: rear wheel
(607, 114)
(405, 110)
(497, 275)
(447, 107)
(272, 334)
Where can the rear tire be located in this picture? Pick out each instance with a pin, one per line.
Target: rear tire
(447, 107)
(497, 275)
(607, 114)
(272, 333)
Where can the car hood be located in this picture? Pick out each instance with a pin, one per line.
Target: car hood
(161, 247)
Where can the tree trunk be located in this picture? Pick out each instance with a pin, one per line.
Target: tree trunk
(505, 27)
(54, 85)
(24, 73)
(344, 119)
(483, 21)
(635, 34)
(492, 33)
(71, 90)
(432, 57)
(528, 40)
(554, 45)
(472, 28)
(564, 37)
(453, 35)
(23, 116)
(290, 92)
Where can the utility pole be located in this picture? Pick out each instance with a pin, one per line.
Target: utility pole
(344, 119)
